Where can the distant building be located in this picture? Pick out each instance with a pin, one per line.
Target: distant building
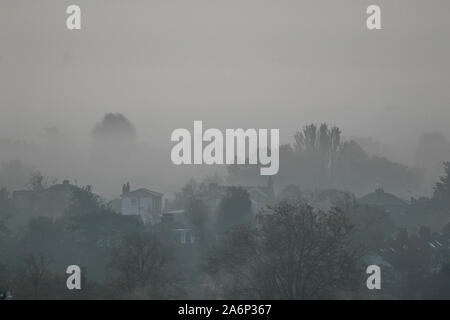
(23, 200)
(142, 202)
(52, 201)
(393, 205)
(388, 201)
(177, 223)
(260, 196)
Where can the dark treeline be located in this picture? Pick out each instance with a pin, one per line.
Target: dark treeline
(248, 240)
(319, 158)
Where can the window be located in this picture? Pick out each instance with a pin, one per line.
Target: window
(183, 236)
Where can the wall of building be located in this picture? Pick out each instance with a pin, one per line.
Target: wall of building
(136, 206)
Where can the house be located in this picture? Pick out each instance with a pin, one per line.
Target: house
(141, 202)
(52, 201)
(388, 201)
(179, 227)
(23, 200)
(260, 196)
(56, 199)
(395, 206)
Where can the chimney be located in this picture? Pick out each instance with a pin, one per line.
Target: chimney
(126, 189)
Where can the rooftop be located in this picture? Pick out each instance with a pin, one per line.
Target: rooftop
(379, 197)
(142, 192)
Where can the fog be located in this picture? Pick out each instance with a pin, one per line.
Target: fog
(87, 179)
(231, 64)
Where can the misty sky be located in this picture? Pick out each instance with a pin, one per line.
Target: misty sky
(233, 63)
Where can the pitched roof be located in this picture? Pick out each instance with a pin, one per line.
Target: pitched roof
(62, 187)
(142, 192)
(23, 192)
(263, 191)
(379, 197)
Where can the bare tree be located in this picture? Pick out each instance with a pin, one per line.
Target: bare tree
(39, 183)
(35, 274)
(320, 142)
(142, 262)
(300, 253)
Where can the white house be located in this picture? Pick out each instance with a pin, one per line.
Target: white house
(142, 202)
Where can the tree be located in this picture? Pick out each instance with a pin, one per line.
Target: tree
(235, 208)
(34, 276)
(318, 159)
(5, 210)
(142, 262)
(44, 234)
(39, 183)
(372, 224)
(306, 139)
(84, 201)
(312, 138)
(300, 253)
(442, 187)
(104, 228)
(114, 126)
(4, 279)
(197, 213)
(433, 211)
(5, 201)
(412, 257)
(35, 280)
